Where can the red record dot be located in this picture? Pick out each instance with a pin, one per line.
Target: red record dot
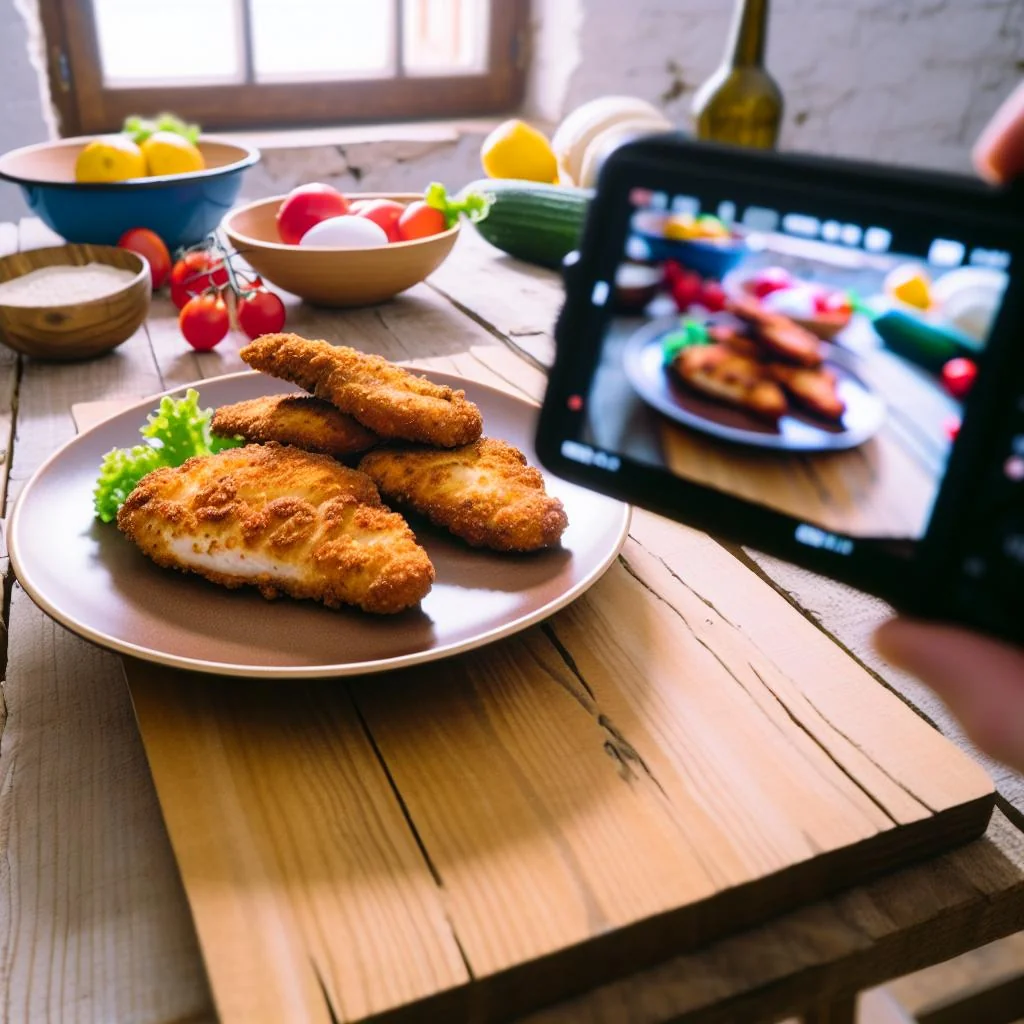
(575, 403)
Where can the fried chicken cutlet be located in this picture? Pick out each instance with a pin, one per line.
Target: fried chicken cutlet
(718, 371)
(383, 397)
(283, 520)
(777, 334)
(300, 420)
(484, 493)
(815, 390)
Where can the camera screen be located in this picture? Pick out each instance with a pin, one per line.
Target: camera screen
(810, 365)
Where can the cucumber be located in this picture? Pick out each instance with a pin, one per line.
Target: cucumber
(532, 221)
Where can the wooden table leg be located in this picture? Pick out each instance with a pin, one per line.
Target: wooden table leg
(841, 1011)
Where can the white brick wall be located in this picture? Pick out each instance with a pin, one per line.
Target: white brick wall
(908, 81)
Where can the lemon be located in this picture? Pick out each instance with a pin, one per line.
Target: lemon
(910, 284)
(110, 158)
(515, 150)
(170, 153)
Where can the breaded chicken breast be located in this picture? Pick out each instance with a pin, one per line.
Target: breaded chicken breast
(484, 493)
(283, 520)
(383, 397)
(301, 420)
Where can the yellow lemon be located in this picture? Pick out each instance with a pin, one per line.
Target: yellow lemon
(110, 158)
(910, 284)
(515, 150)
(170, 153)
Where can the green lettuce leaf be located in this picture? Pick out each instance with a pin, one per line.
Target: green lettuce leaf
(175, 431)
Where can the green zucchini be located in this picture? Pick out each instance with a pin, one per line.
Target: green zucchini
(532, 221)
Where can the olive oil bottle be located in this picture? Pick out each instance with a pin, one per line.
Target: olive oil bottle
(740, 103)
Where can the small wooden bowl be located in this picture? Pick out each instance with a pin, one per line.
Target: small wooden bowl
(77, 330)
(329, 276)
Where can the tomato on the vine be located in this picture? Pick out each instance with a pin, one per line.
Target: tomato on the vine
(204, 321)
(420, 221)
(150, 246)
(260, 312)
(195, 273)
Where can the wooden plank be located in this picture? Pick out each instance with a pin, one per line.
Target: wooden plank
(518, 301)
(986, 984)
(825, 951)
(94, 924)
(309, 892)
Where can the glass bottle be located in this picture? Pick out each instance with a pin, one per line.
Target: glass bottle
(741, 103)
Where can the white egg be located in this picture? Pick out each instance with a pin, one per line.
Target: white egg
(345, 232)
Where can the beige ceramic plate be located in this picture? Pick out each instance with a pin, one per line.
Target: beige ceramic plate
(90, 578)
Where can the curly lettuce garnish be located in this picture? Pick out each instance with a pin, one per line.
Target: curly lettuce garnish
(690, 332)
(175, 431)
(471, 205)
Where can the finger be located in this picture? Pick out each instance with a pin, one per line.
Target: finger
(999, 151)
(981, 680)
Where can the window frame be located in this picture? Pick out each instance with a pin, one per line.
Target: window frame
(86, 106)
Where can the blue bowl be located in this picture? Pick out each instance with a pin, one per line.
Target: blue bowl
(709, 259)
(181, 208)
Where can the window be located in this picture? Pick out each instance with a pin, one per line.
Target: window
(233, 63)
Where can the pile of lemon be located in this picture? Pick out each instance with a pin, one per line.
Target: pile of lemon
(144, 148)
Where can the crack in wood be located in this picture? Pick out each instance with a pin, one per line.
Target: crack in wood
(549, 631)
(324, 992)
(742, 556)
(814, 739)
(729, 670)
(503, 338)
(617, 746)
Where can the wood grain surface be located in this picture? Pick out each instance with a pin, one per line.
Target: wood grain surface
(579, 752)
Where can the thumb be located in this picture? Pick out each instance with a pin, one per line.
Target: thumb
(981, 680)
(999, 152)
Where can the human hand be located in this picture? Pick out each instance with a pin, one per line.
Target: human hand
(981, 680)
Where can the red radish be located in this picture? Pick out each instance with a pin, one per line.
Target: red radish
(958, 376)
(305, 207)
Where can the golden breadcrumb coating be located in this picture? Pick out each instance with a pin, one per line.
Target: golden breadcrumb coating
(283, 520)
(484, 493)
(383, 397)
(301, 420)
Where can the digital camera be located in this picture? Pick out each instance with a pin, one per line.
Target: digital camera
(818, 358)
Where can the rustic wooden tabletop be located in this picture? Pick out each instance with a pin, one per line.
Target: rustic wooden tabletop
(650, 809)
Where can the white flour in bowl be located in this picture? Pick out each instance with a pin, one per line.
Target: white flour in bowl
(64, 285)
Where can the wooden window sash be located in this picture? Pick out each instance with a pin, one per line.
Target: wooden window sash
(86, 105)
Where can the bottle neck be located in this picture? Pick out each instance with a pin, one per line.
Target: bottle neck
(749, 34)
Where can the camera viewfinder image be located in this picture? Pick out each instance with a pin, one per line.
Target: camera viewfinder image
(798, 363)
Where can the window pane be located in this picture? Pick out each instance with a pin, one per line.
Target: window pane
(446, 36)
(322, 39)
(152, 42)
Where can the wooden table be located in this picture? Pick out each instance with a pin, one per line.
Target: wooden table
(94, 924)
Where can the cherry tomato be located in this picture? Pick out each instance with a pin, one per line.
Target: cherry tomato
(384, 212)
(262, 312)
(305, 206)
(771, 279)
(356, 206)
(686, 289)
(150, 246)
(420, 221)
(958, 376)
(712, 296)
(204, 321)
(194, 273)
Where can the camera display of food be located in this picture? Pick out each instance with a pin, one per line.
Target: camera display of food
(257, 493)
(804, 364)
